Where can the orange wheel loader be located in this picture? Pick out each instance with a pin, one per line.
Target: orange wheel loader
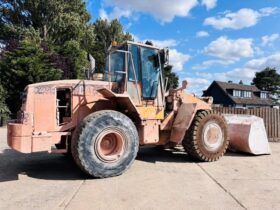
(102, 121)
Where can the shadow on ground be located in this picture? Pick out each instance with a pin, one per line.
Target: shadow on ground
(40, 166)
(232, 153)
(158, 154)
(58, 167)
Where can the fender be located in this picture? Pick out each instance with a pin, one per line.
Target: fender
(189, 105)
(123, 101)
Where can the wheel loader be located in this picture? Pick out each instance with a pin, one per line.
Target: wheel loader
(102, 121)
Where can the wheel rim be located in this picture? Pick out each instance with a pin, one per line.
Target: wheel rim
(213, 136)
(110, 145)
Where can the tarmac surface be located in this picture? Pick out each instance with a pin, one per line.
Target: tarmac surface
(158, 179)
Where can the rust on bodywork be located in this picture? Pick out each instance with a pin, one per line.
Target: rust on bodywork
(42, 125)
(186, 107)
(37, 126)
(182, 122)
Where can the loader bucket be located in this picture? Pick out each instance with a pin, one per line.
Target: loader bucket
(247, 134)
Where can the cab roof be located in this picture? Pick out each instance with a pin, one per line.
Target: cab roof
(141, 44)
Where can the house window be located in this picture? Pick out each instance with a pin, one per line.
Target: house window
(237, 93)
(246, 94)
(263, 95)
(242, 93)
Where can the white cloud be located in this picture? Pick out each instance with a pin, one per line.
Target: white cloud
(117, 12)
(209, 63)
(243, 18)
(201, 81)
(197, 85)
(164, 11)
(272, 61)
(258, 51)
(164, 43)
(245, 73)
(210, 4)
(268, 40)
(229, 49)
(202, 34)
(267, 11)
(178, 59)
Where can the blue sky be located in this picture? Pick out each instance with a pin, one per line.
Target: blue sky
(208, 39)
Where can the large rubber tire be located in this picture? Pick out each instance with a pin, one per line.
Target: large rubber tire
(105, 144)
(203, 145)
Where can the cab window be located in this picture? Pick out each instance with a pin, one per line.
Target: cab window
(150, 72)
(116, 60)
(134, 50)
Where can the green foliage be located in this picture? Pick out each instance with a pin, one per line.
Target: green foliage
(57, 20)
(44, 40)
(25, 65)
(267, 80)
(106, 32)
(76, 58)
(3, 106)
(49, 40)
(173, 80)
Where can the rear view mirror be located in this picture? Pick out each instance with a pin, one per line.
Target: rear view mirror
(92, 63)
(164, 56)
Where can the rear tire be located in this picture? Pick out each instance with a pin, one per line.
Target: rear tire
(206, 140)
(105, 144)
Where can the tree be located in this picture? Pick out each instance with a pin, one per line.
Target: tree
(56, 20)
(43, 40)
(241, 82)
(173, 80)
(105, 33)
(61, 25)
(3, 95)
(26, 64)
(268, 80)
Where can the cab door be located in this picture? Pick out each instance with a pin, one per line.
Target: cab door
(150, 73)
(134, 74)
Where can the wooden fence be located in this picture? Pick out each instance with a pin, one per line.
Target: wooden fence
(271, 118)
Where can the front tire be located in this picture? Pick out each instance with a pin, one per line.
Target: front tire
(206, 140)
(105, 144)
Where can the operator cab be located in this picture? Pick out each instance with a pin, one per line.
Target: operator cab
(136, 68)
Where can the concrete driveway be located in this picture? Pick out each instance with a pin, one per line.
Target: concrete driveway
(157, 180)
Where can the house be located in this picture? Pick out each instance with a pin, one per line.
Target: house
(230, 94)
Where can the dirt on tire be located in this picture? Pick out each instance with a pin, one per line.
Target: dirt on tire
(83, 143)
(193, 140)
